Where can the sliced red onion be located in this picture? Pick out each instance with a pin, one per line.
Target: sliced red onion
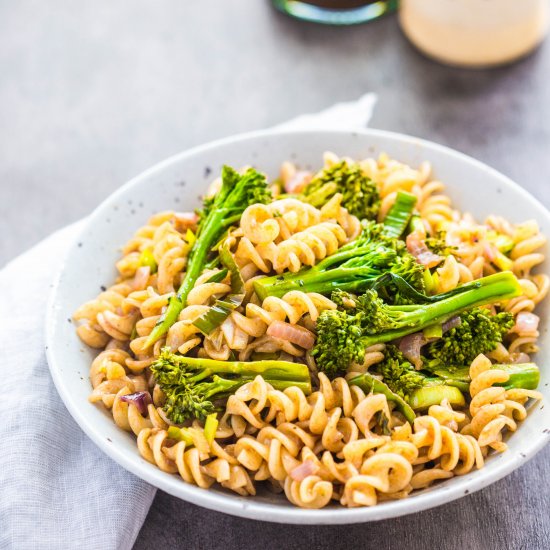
(297, 182)
(305, 469)
(418, 248)
(410, 346)
(292, 333)
(140, 399)
(453, 322)
(185, 220)
(142, 277)
(519, 357)
(489, 251)
(526, 322)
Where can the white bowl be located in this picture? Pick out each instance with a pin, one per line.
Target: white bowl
(177, 183)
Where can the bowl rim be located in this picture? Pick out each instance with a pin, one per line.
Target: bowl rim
(247, 507)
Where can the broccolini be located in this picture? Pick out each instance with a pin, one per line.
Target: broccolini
(478, 332)
(354, 268)
(344, 333)
(360, 193)
(192, 386)
(237, 192)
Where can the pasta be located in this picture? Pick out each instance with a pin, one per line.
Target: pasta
(332, 440)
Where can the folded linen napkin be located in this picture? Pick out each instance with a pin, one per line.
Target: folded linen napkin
(57, 489)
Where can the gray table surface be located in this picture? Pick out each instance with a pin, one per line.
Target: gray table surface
(92, 93)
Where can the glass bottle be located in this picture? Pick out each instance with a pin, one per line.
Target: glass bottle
(336, 12)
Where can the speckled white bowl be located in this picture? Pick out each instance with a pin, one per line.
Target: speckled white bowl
(176, 184)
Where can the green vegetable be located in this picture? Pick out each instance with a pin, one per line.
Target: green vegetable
(522, 375)
(478, 332)
(210, 427)
(421, 389)
(219, 276)
(369, 383)
(398, 373)
(418, 389)
(354, 268)
(503, 243)
(427, 396)
(190, 237)
(146, 258)
(360, 194)
(433, 331)
(180, 434)
(399, 215)
(220, 311)
(192, 386)
(342, 336)
(438, 244)
(219, 212)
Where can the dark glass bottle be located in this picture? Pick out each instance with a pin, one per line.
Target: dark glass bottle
(336, 12)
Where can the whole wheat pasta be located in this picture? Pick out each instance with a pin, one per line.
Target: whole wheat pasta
(342, 443)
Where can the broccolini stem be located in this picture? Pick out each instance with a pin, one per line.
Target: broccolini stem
(237, 192)
(192, 386)
(491, 289)
(270, 369)
(369, 383)
(350, 279)
(521, 375)
(197, 259)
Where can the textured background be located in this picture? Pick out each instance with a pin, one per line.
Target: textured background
(92, 93)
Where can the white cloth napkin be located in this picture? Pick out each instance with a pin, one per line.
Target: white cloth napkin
(57, 489)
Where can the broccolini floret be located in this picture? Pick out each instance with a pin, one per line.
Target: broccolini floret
(398, 373)
(360, 193)
(343, 335)
(193, 386)
(479, 332)
(238, 191)
(438, 244)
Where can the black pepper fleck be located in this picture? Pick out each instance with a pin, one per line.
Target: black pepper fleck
(207, 171)
(103, 288)
(132, 211)
(79, 245)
